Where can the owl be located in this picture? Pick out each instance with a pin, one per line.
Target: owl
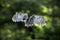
(29, 21)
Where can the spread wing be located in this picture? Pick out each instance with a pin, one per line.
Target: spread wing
(40, 20)
(35, 19)
(20, 17)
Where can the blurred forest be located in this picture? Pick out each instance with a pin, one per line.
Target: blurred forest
(10, 30)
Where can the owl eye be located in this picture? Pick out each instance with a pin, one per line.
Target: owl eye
(20, 17)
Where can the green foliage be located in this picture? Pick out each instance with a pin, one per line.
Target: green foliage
(17, 31)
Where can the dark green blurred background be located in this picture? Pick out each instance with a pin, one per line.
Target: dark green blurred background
(17, 31)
